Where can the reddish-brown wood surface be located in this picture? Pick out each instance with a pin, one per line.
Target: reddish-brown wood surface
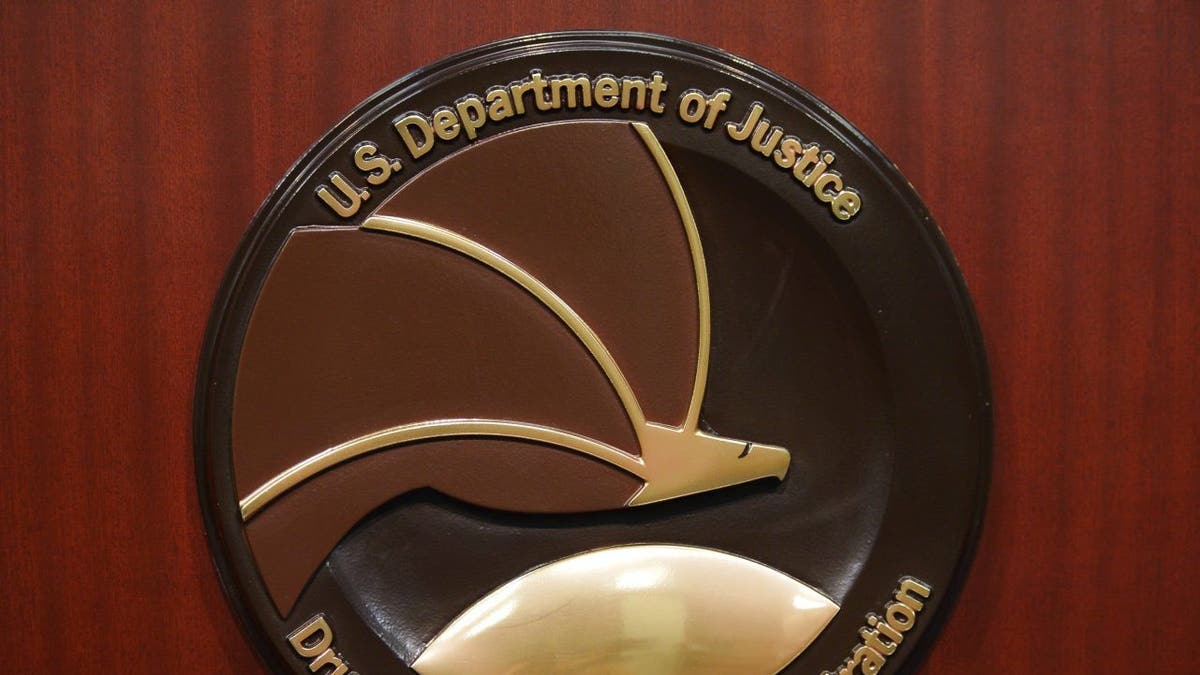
(1055, 143)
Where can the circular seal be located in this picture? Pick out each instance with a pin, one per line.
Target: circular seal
(592, 353)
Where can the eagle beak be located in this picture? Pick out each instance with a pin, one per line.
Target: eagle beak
(680, 463)
(767, 460)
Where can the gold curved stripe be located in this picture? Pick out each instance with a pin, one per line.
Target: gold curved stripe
(701, 270)
(472, 249)
(420, 431)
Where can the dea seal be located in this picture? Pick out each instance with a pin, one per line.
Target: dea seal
(592, 353)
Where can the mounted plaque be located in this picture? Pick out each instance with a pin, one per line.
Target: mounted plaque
(592, 353)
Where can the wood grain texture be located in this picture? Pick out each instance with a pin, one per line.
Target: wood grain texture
(1056, 144)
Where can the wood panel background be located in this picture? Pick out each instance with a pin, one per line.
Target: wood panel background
(1056, 143)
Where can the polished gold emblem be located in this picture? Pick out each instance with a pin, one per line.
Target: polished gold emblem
(635, 609)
